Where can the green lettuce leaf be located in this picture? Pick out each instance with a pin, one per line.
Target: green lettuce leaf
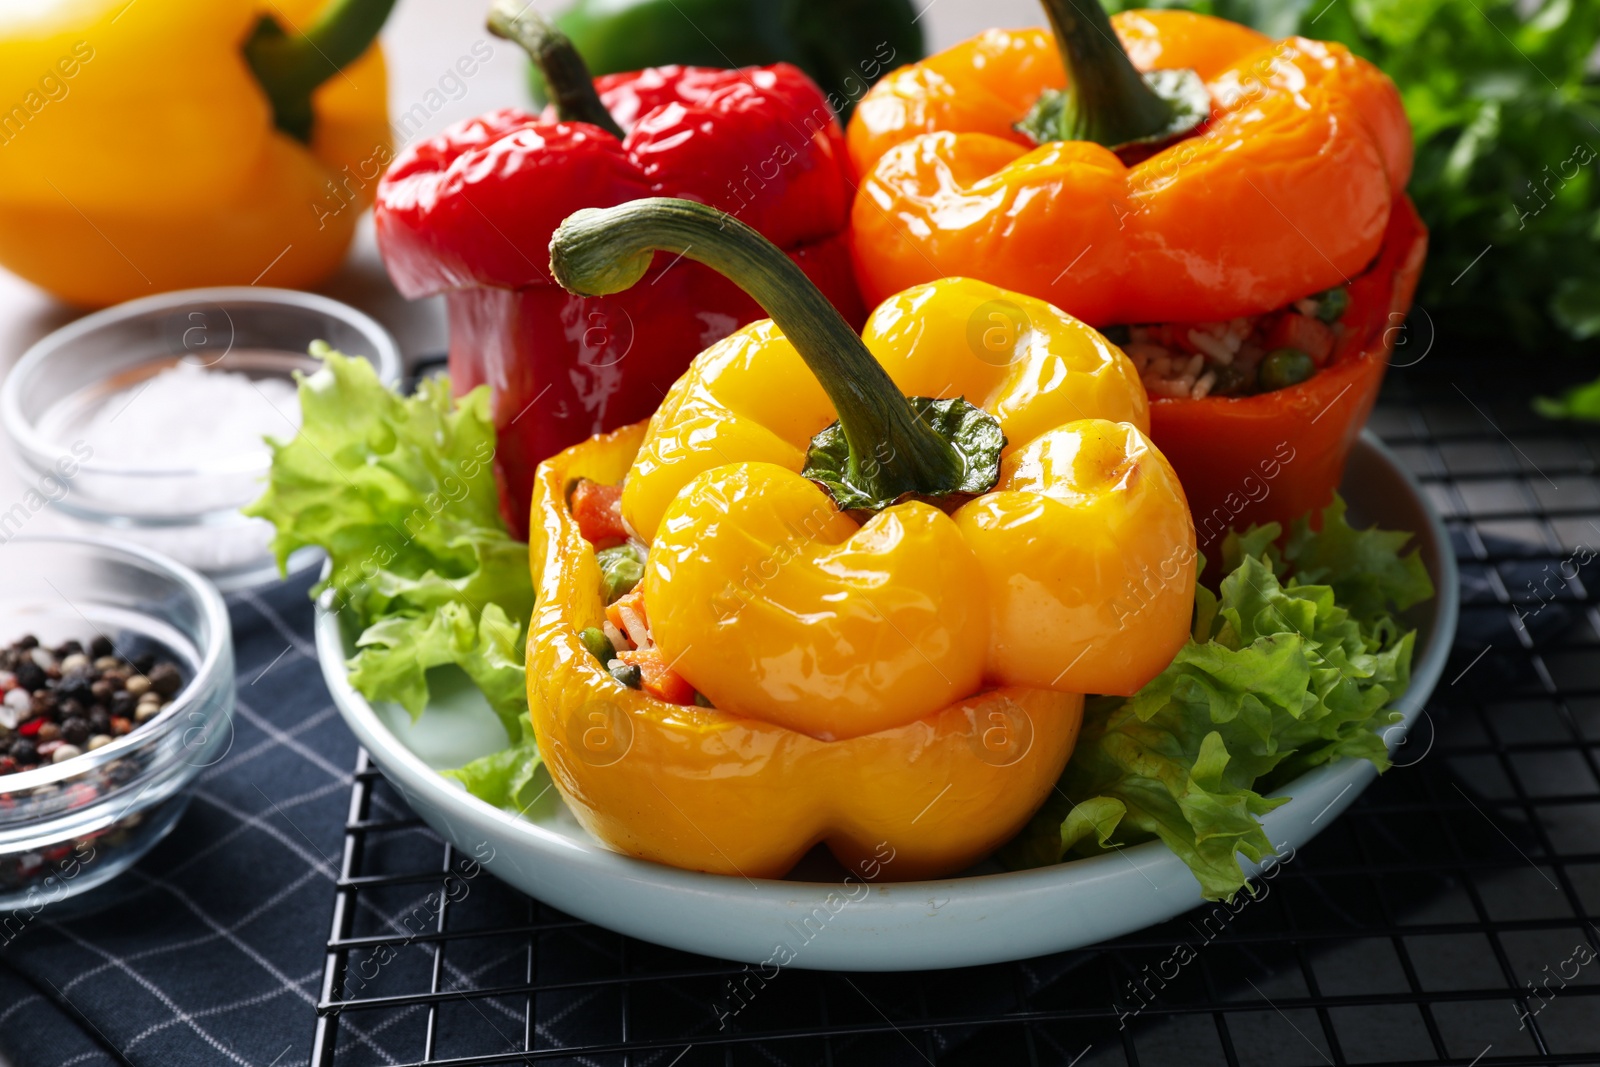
(1579, 402)
(1365, 568)
(400, 492)
(1294, 662)
(397, 651)
(511, 779)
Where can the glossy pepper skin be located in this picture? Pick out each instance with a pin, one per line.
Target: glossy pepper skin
(1293, 185)
(469, 213)
(1273, 457)
(858, 664)
(843, 45)
(1286, 190)
(712, 791)
(1060, 564)
(138, 151)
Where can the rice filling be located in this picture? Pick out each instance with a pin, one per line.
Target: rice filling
(1237, 357)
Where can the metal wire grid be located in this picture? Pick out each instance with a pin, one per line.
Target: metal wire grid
(1447, 918)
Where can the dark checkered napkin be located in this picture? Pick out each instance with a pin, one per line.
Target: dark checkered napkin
(210, 950)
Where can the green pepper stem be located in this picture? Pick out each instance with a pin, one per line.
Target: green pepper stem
(290, 67)
(566, 76)
(892, 451)
(1109, 102)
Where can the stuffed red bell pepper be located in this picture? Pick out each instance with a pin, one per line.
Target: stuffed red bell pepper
(470, 213)
(1228, 208)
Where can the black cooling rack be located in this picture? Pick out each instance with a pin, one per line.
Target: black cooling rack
(1447, 918)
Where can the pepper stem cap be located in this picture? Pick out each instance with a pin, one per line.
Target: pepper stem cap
(885, 447)
(1107, 100)
(291, 66)
(566, 76)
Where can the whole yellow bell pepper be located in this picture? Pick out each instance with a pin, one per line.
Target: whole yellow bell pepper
(892, 605)
(166, 144)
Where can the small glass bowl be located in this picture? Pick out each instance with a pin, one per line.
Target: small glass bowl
(69, 826)
(187, 511)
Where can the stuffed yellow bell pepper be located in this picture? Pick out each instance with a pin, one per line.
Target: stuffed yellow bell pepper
(880, 570)
(167, 144)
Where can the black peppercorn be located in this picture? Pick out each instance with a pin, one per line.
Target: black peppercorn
(99, 721)
(75, 685)
(123, 703)
(30, 675)
(74, 730)
(100, 646)
(165, 679)
(24, 752)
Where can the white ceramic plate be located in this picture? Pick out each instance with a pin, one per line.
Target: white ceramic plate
(973, 919)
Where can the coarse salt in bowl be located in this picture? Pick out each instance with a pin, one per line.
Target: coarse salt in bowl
(147, 421)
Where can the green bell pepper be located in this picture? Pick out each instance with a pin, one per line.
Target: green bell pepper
(844, 45)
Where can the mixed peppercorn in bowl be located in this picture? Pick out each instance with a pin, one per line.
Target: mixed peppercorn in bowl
(112, 707)
(61, 702)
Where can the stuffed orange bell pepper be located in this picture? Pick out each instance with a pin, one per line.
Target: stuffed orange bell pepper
(169, 144)
(878, 572)
(1235, 206)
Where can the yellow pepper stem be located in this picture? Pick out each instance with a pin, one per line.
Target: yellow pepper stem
(893, 452)
(1107, 100)
(566, 76)
(291, 66)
